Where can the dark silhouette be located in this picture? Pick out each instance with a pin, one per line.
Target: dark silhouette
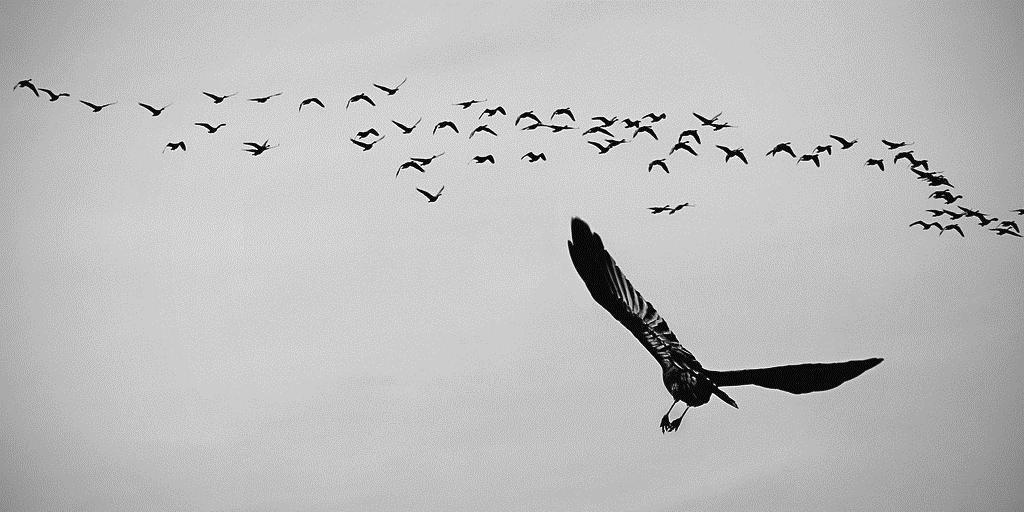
(366, 133)
(985, 221)
(95, 107)
(598, 129)
(846, 144)
(952, 227)
(209, 127)
(605, 122)
(175, 145)
(876, 162)
(689, 133)
(684, 377)
(809, 158)
(217, 99)
(407, 129)
(729, 153)
(491, 112)
(257, 149)
(360, 97)
(264, 98)
(655, 117)
(629, 123)
(704, 121)
(534, 126)
(467, 104)
(482, 129)
(1004, 231)
(533, 157)
(366, 146)
(823, 149)
(555, 128)
(600, 149)
(718, 126)
(527, 115)
(27, 83)
(431, 197)
(895, 145)
(782, 147)
(307, 101)
(1018, 211)
(425, 161)
(446, 124)
(657, 163)
(411, 164)
(938, 213)
(945, 195)
(909, 155)
(927, 225)
(564, 112)
(684, 146)
(485, 159)
(615, 142)
(154, 111)
(389, 90)
(54, 96)
(670, 209)
(645, 129)
(918, 163)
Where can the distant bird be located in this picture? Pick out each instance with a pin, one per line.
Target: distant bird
(938, 213)
(467, 104)
(27, 83)
(705, 121)
(1009, 224)
(555, 128)
(782, 147)
(952, 227)
(598, 129)
(534, 126)
(684, 146)
(810, 158)
(425, 161)
(657, 163)
(446, 124)
(670, 209)
(1004, 231)
(391, 90)
(54, 96)
(360, 97)
(631, 123)
(527, 115)
(945, 195)
(485, 159)
(95, 107)
(315, 101)
(918, 163)
(431, 197)
(615, 142)
(719, 126)
(533, 157)
(605, 122)
(209, 127)
(1018, 211)
(217, 99)
(655, 117)
(366, 133)
(264, 98)
(645, 129)
(679, 207)
(601, 149)
(982, 221)
(684, 377)
(482, 129)
(407, 129)
(895, 145)
(256, 149)
(909, 155)
(877, 162)
(823, 149)
(564, 112)
(411, 164)
(927, 225)
(154, 111)
(967, 211)
(689, 133)
(491, 112)
(847, 144)
(729, 153)
(175, 145)
(366, 146)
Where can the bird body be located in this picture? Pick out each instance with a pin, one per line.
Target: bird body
(491, 112)
(876, 162)
(658, 163)
(482, 129)
(264, 98)
(729, 153)
(467, 104)
(366, 133)
(175, 145)
(684, 146)
(645, 129)
(95, 107)
(689, 133)
(217, 99)
(564, 112)
(446, 124)
(431, 197)
(153, 110)
(783, 147)
(533, 157)
(485, 159)
(391, 91)
(360, 97)
(366, 146)
(810, 158)
(209, 127)
(823, 149)
(407, 129)
(308, 101)
(527, 115)
(846, 144)
(27, 83)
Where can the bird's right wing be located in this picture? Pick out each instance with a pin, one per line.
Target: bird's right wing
(796, 378)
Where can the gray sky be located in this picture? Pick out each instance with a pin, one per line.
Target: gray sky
(302, 331)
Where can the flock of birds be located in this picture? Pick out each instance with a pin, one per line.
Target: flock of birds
(605, 134)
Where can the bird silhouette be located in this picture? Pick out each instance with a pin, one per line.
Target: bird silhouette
(729, 153)
(390, 91)
(645, 129)
(256, 148)
(659, 209)
(482, 129)
(985, 221)
(689, 133)
(631, 123)
(366, 133)
(605, 122)
(485, 159)
(491, 112)
(783, 147)
(54, 96)
(446, 124)
(615, 142)
(95, 107)
(876, 162)
(425, 161)
(705, 121)
(555, 128)
(967, 211)
(411, 164)
(895, 145)
(533, 157)
(952, 227)
(918, 163)
(467, 104)
(407, 129)
(209, 127)
(527, 115)
(153, 110)
(26, 83)
(823, 149)
(534, 126)
(945, 195)
(175, 145)
(598, 129)
(654, 118)
(684, 146)
(600, 149)
(564, 112)
(909, 155)
(927, 225)
(938, 213)
(264, 98)
(846, 144)
(360, 97)
(657, 163)
(366, 146)
(314, 101)
(684, 377)
(809, 158)
(1004, 231)
(1018, 211)
(431, 197)
(217, 99)
(719, 126)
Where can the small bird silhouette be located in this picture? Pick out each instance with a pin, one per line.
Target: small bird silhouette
(315, 101)
(467, 104)
(95, 107)
(153, 110)
(485, 159)
(264, 98)
(876, 162)
(895, 145)
(689, 133)
(256, 148)
(719, 126)
(431, 197)
(598, 129)
(446, 124)
(615, 142)
(533, 157)
(209, 127)
(175, 145)
(655, 117)
(684, 146)
(1004, 231)
(909, 155)
(411, 164)
(491, 112)
(823, 149)
(645, 129)
(27, 83)
(360, 97)
(366, 133)
(658, 163)
(217, 99)
(729, 153)
(783, 147)
(659, 209)
(1009, 224)
(600, 149)
(407, 129)
(704, 121)
(564, 112)
(631, 123)
(846, 144)
(927, 225)
(945, 195)
(810, 158)
(54, 96)
(366, 146)
(391, 90)
(425, 161)
(605, 122)
(555, 128)
(482, 129)
(527, 115)
(952, 227)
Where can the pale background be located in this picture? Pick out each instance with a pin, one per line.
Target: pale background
(302, 332)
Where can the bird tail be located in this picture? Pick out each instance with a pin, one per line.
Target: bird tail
(797, 378)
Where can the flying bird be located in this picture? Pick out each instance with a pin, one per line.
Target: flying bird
(810, 158)
(95, 107)
(175, 145)
(446, 124)
(605, 122)
(630, 123)
(718, 126)
(217, 99)
(655, 117)
(1018, 211)
(467, 104)
(1004, 231)
(366, 133)
(27, 83)
(54, 96)
(264, 98)
(154, 111)
(366, 146)
(600, 149)
(684, 146)
(645, 129)
(360, 97)
(689, 133)
(533, 157)
(485, 159)
(491, 112)
(407, 129)
(927, 225)
(667, 208)
(823, 149)
(729, 153)
(895, 145)
(704, 121)
(431, 197)
(482, 129)
(846, 144)
(256, 148)
(209, 127)
(598, 129)
(909, 155)
(527, 115)
(684, 377)
(783, 147)
(564, 112)
(425, 161)
(390, 90)
(952, 227)
(657, 163)
(307, 101)
(411, 164)
(877, 162)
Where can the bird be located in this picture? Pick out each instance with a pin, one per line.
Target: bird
(918, 163)
(718, 126)
(425, 161)
(605, 122)
(315, 101)
(563, 111)
(945, 195)
(659, 209)
(527, 115)
(729, 153)
(679, 207)
(704, 121)
(1018, 211)
(446, 124)
(823, 149)
(909, 155)
(967, 211)
(431, 197)
(659, 163)
(1004, 231)
(407, 129)
(491, 112)
(655, 117)
(952, 227)
(895, 145)
(256, 149)
(533, 157)
(939, 213)
(366, 146)
(217, 99)
(846, 144)
(533, 126)
(810, 158)
(264, 98)
(54, 96)
(154, 111)
(985, 221)
(485, 159)
(27, 83)
(95, 107)
(615, 142)
(366, 133)
(175, 145)
(411, 164)
(598, 129)
(555, 128)
(391, 90)
(600, 149)
(927, 225)
(645, 129)
(877, 162)
(684, 377)
(482, 129)
(467, 104)
(630, 123)
(684, 146)
(210, 128)
(689, 133)
(782, 147)
(360, 97)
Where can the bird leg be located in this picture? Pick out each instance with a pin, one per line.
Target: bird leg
(666, 426)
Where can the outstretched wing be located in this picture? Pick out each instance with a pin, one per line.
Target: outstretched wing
(616, 294)
(797, 378)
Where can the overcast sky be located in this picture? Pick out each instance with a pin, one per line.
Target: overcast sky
(302, 331)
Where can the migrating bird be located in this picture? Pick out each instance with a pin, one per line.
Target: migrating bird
(952, 227)
(389, 90)
(810, 158)
(175, 145)
(264, 98)
(95, 107)
(598, 129)
(877, 162)
(410, 164)
(485, 159)
(927, 225)
(555, 128)
(600, 149)
(482, 128)
(909, 155)
(729, 153)
(154, 111)
(645, 129)
(655, 117)
(660, 163)
(256, 149)
(823, 149)
(718, 126)
(564, 112)
(527, 115)
(210, 128)
(684, 146)
(360, 97)
(938, 213)
(467, 104)
(1004, 231)
(54, 96)
(945, 195)
(667, 208)
(425, 161)
(615, 142)
(630, 123)
(533, 157)
(490, 112)
(605, 122)
(217, 99)
(27, 83)
(895, 145)
(689, 133)
(366, 133)
(704, 121)
(366, 145)
(307, 101)
(847, 144)
(783, 147)
(431, 197)
(407, 129)
(684, 377)
(446, 124)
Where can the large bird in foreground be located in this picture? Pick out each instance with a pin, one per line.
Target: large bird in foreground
(686, 380)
